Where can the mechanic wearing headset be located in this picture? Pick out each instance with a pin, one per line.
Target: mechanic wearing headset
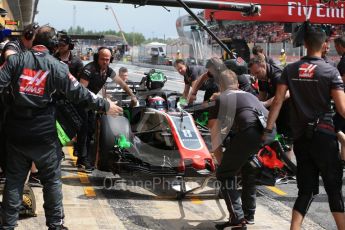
(237, 111)
(18, 45)
(93, 77)
(21, 44)
(64, 53)
(31, 134)
(312, 84)
(191, 75)
(75, 66)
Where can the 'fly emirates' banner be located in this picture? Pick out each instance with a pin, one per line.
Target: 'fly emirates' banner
(287, 11)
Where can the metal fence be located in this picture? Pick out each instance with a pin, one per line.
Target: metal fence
(272, 49)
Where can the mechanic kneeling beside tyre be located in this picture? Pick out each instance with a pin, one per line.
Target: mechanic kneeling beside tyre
(239, 111)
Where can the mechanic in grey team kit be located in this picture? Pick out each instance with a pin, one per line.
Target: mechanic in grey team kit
(191, 74)
(31, 126)
(93, 77)
(239, 111)
(312, 84)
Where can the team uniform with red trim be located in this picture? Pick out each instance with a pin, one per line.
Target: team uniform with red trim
(310, 82)
(31, 136)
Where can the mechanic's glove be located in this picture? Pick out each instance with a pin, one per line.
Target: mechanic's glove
(114, 110)
(269, 136)
(134, 101)
(214, 96)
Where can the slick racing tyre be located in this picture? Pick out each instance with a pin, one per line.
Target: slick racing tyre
(110, 129)
(106, 143)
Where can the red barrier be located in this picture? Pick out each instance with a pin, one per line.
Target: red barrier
(287, 11)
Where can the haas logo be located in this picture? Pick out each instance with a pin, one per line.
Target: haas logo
(307, 71)
(33, 82)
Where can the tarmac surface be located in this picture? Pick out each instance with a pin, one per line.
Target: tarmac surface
(91, 204)
(103, 201)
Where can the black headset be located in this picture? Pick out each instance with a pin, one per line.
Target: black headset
(30, 30)
(53, 39)
(96, 55)
(67, 39)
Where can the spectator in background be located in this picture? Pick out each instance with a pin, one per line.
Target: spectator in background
(178, 55)
(325, 50)
(282, 58)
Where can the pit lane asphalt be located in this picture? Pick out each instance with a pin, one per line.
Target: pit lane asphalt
(91, 202)
(285, 193)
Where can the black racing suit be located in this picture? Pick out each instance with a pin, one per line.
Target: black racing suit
(92, 74)
(17, 46)
(239, 110)
(310, 82)
(31, 128)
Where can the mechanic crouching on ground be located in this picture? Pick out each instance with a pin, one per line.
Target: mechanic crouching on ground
(93, 77)
(31, 126)
(312, 84)
(239, 111)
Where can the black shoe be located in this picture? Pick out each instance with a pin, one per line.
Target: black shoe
(61, 227)
(239, 225)
(85, 167)
(249, 220)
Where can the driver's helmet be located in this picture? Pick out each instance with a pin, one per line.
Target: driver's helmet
(157, 102)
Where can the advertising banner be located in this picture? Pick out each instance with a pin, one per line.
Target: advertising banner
(287, 11)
